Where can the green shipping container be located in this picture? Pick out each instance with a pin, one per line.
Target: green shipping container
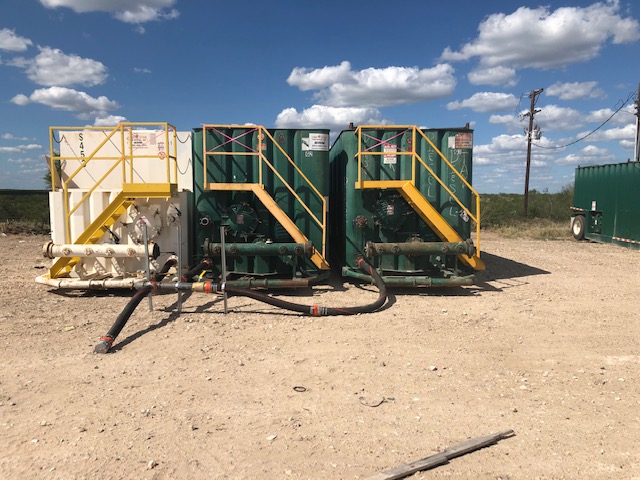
(605, 204)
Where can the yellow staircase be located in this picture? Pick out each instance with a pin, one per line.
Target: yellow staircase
(258, 189)
(291, 228)
(416, 199)
(130, 192)
(438, 224)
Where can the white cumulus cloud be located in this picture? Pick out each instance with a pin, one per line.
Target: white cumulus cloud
(627, 133)
(607, 114)
(11, 42)
(575, 90)
(589, 155)
(321, 116)
(128, 11)
(540, 38)
(11, 136)
(9, 150)
(53, 67)
(501, 119)
(62, 98)
(340, 86)
(105, 120)
(319, 78)
(553, 117)
(493, 76)
(486, 102)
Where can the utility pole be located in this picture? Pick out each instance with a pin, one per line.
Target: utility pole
(636, 154)
(532, 111)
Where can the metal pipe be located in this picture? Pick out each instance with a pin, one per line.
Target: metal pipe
(223, 252)
(107, 250)
(262, 249)
(104, 284)
(413, 281)
(147, 265)
(419, 248)
(179, 247)
(267, 283)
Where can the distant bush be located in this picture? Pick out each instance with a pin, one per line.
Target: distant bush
(24, 205)
(22, 227)
(548, 215)
(24, 211)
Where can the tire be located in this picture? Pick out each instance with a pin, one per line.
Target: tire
(577, 227)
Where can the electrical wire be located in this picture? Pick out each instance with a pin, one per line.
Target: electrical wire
(624, 104)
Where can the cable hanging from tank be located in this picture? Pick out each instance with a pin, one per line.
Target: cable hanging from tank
(185, 140)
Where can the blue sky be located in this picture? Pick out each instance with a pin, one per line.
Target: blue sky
(301, 64)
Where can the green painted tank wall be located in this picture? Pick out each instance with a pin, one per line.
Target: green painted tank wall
(359, 216)
(215, 207)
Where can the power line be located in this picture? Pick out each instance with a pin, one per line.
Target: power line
(624, 104)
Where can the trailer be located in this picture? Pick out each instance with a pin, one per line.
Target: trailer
(605, 204)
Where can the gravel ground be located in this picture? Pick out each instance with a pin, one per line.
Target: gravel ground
(545, 344)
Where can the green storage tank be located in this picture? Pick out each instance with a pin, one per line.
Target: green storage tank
(269, 189)
(402, 205)
(605, 204)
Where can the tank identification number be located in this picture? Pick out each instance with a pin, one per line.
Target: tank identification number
(82, 155)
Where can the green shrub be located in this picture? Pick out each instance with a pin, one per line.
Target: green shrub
(548, 215)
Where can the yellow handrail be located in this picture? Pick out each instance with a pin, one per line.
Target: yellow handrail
(415, 156)
(264, 133)
(117, 160)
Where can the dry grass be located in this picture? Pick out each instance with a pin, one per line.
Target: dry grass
(536, 229)
(21, 227)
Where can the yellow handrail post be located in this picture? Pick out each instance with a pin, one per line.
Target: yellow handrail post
(122, 153)
(51, 161)
(260, 136)
(478, 223)
(204, 153)
(130, 179)
(413, 156)
(175, 155)
(359, 154)
(167, 152)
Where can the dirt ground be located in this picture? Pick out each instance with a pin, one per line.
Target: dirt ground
(546, 344)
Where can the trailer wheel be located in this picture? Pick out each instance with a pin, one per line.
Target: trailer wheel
(577, 227)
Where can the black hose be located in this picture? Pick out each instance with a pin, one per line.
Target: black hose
(159, 276)
(316, 310)
(105, 342)
(205, 264)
